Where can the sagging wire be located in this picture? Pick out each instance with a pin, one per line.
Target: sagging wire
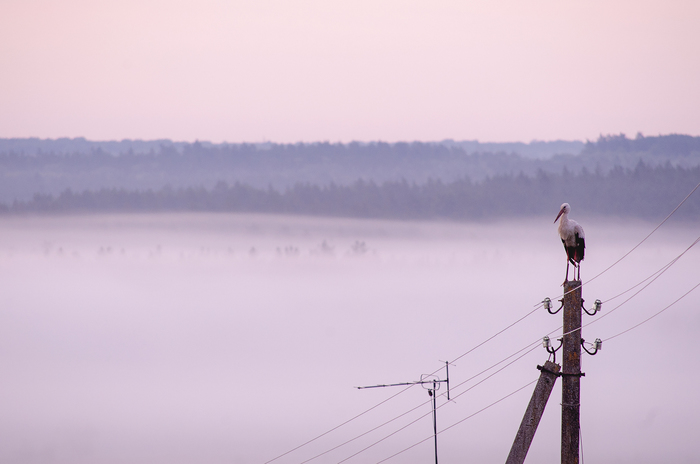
(338, 426)
(460, 421)
(537, 305)
(422, 404)
(662, 270)
(655, 276)
(655, 314)
(666, 268)
(645, 238)
(368, 432)
(405, 389)
(442, 394)
(429, 413)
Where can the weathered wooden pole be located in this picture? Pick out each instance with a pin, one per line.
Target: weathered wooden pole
(533, 413)
(571, 373)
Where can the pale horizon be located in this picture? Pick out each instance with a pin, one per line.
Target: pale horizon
(290, 72)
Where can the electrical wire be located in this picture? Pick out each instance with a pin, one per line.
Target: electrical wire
(662, 270)
(404, 390)
(536, 307)
(493, 336)
(580, 438)
(531, 348)
(429, 413)
(655, 314)
(400, 392)
(422, 404)
(653, 277)
(367, 432)
(460, 421)
(657, 275)
(645, 238)
(633, 248)
(338, 426)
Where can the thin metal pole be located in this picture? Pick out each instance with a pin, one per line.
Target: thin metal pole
(447, 371)
(435, 422)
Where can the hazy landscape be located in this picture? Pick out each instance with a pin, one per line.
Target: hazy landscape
(642, 177)
(218, 218)
(234, 338)
(218, 303)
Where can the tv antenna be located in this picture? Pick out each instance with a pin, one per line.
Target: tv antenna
(433, 383)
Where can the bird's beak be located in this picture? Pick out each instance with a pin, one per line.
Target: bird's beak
(561, 211)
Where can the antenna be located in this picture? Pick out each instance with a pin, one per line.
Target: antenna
(425, 379)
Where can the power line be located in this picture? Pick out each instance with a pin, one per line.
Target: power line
(653, 277)
(666, 268)
(338, 426)
(655, 314)
(424, 415)
(657, 275)
(662, 270)
(537, 306)
(422, 404)
(633, 248)
(460, 421)
(404, 390)
(367, 432)
(494, 336)
(530, 345)
(645, 238)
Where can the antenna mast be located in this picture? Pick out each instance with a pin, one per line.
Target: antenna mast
(425, 379)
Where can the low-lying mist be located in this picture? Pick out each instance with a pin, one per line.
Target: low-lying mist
(190, 338)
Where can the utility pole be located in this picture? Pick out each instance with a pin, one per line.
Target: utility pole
(571, 373)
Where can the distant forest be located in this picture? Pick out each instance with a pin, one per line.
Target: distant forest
(644, 192)
(642, 177)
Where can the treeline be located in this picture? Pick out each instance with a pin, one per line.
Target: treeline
(645, 192)
(678, 145)
(283, 166)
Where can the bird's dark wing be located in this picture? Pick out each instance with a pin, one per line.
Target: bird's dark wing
(580, 249)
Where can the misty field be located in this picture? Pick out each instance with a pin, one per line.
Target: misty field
(212, 338)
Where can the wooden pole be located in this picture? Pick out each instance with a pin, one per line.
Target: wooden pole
(533, 413)
(571, 374)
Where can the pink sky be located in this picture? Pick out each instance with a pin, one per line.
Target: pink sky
(290, 71)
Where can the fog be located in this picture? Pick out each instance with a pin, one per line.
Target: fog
(204, 338)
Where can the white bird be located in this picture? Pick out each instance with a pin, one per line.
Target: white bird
(573, 238)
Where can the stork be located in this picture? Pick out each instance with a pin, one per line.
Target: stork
(573, 238)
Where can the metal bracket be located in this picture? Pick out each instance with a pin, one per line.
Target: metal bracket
(548, 346)
(597, 345)
(549, 306)
(542, 368)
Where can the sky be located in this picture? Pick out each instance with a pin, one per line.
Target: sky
(391, 70)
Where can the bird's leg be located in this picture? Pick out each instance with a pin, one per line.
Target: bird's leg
(567, 271)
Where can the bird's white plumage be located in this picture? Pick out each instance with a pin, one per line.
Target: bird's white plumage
(568, 228)
(572, 236)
